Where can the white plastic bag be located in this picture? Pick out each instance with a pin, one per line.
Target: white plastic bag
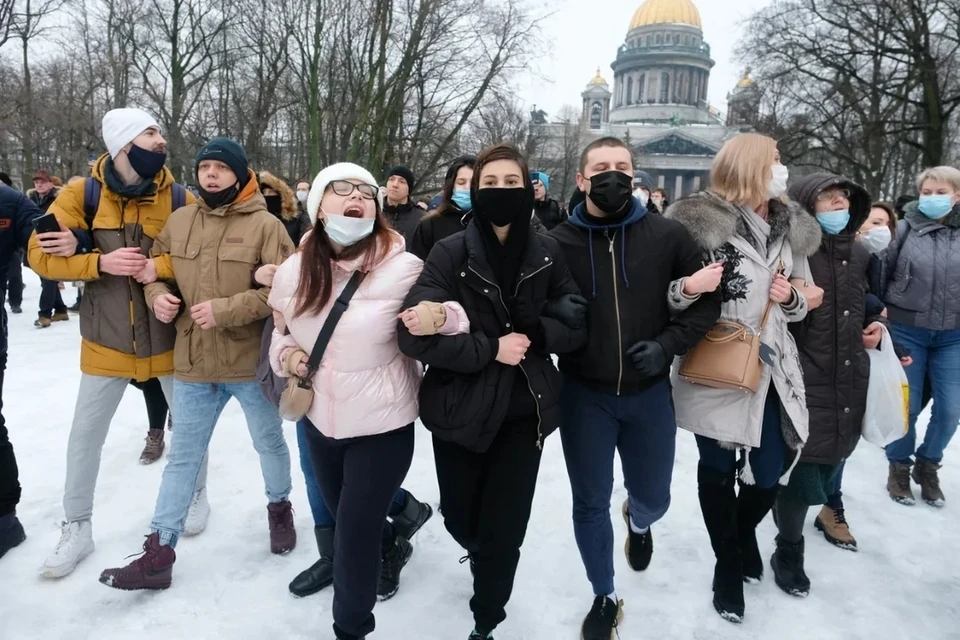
(887, 418)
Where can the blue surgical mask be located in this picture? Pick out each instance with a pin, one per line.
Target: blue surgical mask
(833, 222)
(935, 207)
(461, 198)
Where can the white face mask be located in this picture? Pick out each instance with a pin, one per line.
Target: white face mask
(346, 231)
(778, 184)
(641, 195)
(877, 239)
(302, 196)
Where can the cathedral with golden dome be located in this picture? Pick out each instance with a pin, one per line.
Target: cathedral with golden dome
(658, 101)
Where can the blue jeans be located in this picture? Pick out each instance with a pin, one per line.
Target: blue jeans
(595, 426)
(834, 489)
(198, 407)
(321, 514)
(936, 355)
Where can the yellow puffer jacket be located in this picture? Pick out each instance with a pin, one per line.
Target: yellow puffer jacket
(120, 337)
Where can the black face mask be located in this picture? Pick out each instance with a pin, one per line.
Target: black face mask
(501, 207)
(274, 204)
(217, 199)
(611, 191)
(147, 164)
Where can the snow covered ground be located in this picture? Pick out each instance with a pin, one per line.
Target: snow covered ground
(904, 583)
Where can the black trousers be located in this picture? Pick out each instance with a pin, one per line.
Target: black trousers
(358, 478)
(485, 500)
(156, 402)
(50, 299)
(15, 280)
(9, 474)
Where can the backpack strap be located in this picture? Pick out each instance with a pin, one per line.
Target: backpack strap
(178, 197)
(91, 201)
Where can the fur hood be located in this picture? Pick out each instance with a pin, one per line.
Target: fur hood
(287, 197)
(713, 221)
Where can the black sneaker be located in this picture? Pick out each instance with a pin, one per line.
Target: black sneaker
(393, 562)
(602, 621)
(639, 546)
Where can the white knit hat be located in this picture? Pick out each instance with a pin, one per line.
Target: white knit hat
(121, 126)
(339, 171)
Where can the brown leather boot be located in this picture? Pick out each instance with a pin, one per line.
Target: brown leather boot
(60, 317)
(833, 524)
(925, 475)
(41, 322)
(898, 484)
(153, 449)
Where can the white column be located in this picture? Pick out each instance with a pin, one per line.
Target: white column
(696, 183)
(661, 181)
(678, 188)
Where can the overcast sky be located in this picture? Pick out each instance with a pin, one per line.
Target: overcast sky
(584, 34)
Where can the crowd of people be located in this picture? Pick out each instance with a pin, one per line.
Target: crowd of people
(495, 316)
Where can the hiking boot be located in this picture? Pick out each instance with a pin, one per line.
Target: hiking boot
(602, 621)
(16, 309)
(319, 575)
(787, 565)
(898, 483)
(925, 475)
(11, 533)
(153, 449)
(753, 504)
(198, 514)
(283, 534)
(41, 322)
(394, 560)
(639, 546)
(76, 543)
(833, 524)
(153, 570)
(718, 504)
(413, 516)
(60, 317)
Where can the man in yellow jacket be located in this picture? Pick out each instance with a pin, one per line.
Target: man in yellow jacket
(121, 338)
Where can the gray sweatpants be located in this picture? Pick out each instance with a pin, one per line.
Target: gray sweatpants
(97, 402)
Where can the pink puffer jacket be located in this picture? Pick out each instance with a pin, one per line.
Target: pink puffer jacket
(364, 386)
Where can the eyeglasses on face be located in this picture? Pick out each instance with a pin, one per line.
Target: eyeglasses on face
(345, 188)
(830, 194)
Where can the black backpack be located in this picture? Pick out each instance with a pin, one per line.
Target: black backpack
(91, 199)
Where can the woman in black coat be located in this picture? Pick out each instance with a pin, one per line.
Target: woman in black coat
(491, 396)
(453, 212)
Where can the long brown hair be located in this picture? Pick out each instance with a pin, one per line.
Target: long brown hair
(449, 181)
(315, 285)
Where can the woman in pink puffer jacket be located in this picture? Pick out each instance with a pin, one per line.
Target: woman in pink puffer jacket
(365, 391)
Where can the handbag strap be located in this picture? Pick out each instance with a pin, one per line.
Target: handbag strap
(766, 311)
(326, 332)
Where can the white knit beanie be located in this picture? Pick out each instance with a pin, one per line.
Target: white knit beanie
(121, 126)
(339, 171)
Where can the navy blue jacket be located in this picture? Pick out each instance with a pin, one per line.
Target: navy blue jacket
(17, 214)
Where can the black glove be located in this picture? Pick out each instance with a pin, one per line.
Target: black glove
(570, 309)
(648, 357)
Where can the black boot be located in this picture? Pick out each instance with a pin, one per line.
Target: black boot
(11, 533)
(787, 565)
(414, 515)
(753, 504)
(394, 559)
(718, 503)
(320, 575)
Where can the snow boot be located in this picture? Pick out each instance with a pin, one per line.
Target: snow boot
(925, 475)
(833, 524)
(787, 565)
(76, 543)
(198, 515)
(340, 634)
(639, 546)
(60, 317)
(718, 503)
(413, 516)
(602, 621)
(753, 505)
(283, 534)
(11, 533)
(320, 575)
(394, 560)
(898, 484)
(41, 322)
(153, 570)
(153, 448)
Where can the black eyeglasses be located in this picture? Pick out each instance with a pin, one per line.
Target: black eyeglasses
(826, 196)
(345, 188)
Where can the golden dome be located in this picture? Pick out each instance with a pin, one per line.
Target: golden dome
(598, 79)
(745, 81)
(666, 12)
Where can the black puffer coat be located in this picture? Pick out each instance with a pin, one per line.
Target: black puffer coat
(404, 219)
(466, 393)
(836, 368)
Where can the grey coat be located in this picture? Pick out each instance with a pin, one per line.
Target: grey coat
(735, 418)
(920, 271)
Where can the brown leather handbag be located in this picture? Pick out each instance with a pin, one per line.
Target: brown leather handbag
(728, 357)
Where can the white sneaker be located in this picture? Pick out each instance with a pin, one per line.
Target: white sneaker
(76, 543)
(198, 515)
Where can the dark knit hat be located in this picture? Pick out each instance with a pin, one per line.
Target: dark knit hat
(5, 179)
(404, 173)
(229, 153)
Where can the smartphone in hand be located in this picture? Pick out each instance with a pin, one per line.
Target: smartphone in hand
(46, 224)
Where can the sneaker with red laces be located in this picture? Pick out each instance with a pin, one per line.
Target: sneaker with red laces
(152, 570)
(283, 535)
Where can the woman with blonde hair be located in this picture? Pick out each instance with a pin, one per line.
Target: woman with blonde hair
(763, 240)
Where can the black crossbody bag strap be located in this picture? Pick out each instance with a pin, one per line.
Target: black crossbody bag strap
(326, 332)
